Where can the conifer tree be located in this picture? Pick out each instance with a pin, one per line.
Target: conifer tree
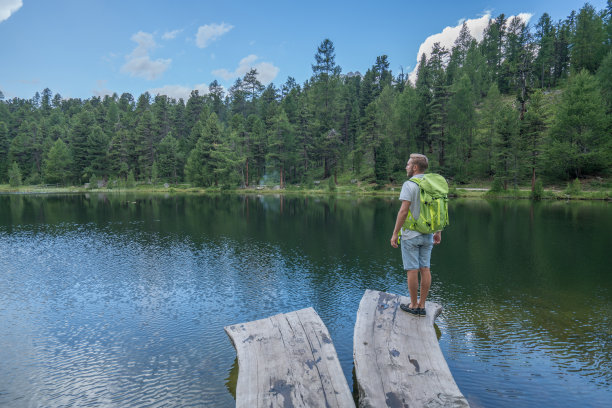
(56, 167)
(580, 144)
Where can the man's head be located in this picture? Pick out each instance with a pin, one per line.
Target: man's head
(417, 164)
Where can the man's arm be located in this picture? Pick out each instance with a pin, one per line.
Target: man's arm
(401, 218)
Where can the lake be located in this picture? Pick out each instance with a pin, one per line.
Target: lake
(121, 299)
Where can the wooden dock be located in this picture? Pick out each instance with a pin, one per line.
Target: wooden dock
(288, 360)
(398, 362)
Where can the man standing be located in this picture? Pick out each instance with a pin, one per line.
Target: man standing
(416, 247)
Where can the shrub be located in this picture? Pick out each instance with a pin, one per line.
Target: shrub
(574, 187)
(497, 186)
(538, 191)
(331, 184)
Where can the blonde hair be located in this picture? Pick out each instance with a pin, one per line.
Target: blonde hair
(420, 160)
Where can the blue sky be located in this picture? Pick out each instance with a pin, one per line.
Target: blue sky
(82, 48)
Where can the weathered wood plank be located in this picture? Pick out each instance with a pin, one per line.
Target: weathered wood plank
(288, 360)
(398, 361)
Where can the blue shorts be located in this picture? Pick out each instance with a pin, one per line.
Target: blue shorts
(416, 252)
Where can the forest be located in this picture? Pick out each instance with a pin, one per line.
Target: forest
(525, 103)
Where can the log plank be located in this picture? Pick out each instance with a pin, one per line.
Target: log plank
(288, 360)
(398, 361)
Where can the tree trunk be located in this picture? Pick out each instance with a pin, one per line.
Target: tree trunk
(247, 173)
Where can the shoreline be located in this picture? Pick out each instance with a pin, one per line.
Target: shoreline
(369, 191)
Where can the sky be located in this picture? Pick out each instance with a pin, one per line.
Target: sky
(85, 48)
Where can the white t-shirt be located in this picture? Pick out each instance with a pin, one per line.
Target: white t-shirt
(411, 192)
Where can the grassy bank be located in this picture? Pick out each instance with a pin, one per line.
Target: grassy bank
(600, 191)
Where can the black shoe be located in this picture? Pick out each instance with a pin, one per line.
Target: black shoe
(406, 308)
(422, 312)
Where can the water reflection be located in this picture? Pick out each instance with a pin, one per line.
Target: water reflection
(121, 299)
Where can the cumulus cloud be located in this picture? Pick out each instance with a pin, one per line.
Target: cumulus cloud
(139, 63)
(266, 72)
(447, 37)
(179, 91)
(211, 32)
(171, 35)
(8, 8)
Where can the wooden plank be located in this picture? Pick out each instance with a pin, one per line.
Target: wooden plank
(288, 360)
(398, 361)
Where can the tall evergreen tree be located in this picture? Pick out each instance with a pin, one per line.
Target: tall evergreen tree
(56, 168)
(588, 48)
(4, 148)
(580, 144)
(532, 131)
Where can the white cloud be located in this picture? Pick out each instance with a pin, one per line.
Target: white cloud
(171, 35)
(266, 72)
(448, 36)
(210, 32)
(179, 91)
(8, 8)
(139, 62)
(101, 89)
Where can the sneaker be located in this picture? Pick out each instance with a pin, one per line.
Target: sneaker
(407, 308)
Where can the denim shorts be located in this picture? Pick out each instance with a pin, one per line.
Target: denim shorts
(416, 252)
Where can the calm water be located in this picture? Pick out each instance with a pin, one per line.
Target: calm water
(120, 300)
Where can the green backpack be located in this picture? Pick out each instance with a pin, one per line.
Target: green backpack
(434, 205)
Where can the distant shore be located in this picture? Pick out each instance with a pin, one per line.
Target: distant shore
(479, 191)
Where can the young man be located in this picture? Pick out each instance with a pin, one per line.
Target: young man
(416, 247)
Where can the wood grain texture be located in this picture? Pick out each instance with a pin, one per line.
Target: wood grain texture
(398, 362)
(288, 360)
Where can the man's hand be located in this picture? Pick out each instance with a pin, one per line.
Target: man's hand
(394, 240)
(437, 238)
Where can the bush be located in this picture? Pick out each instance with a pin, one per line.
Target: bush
(574, 187)
(331, 184)
(538, 192)
(497, 186)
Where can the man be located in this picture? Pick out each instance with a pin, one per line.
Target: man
(416, 247)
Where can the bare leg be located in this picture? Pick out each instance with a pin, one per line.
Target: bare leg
(413, 286)
(425, 285)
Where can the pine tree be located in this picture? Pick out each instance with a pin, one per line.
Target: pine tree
(168, 159)
(532, 131)
(14, 175)
(588, 48)
(488, 123)
(506, 146)
(97, 150)
(56, 168)
(544, 62)
(81, 127)
(27, 148)
(4, 148)
(280, 145)
(580, 144)
(461, 127)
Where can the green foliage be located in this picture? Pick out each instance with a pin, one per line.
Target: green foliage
(331, 184)
(515, 106)
(580, 143)
(538, 192)
(131, 181)
(573, 188)
(56, 167)
(497, 186)
(14, 175)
